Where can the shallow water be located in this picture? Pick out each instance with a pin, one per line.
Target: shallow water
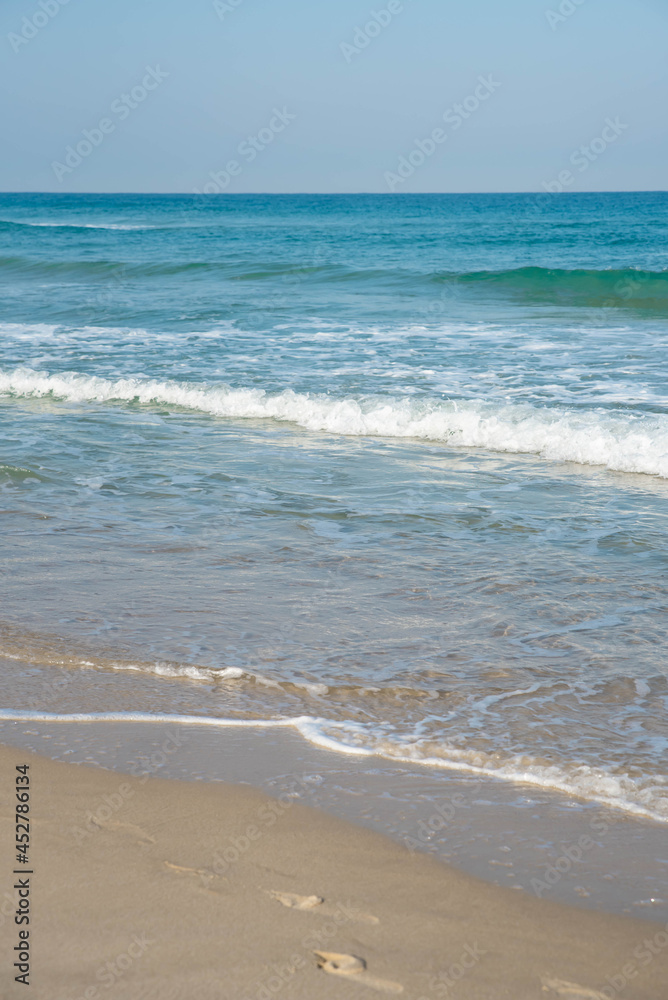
(397, 466)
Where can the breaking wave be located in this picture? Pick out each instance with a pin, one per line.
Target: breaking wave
(620, 440)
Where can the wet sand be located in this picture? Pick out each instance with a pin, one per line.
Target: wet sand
(145, 887)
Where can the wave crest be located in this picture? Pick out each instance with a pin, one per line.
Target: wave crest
(621, 441)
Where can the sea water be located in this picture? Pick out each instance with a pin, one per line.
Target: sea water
(390, 469)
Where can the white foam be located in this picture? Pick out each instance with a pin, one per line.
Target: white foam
(303, 724)
(58, 334)
(591, 784)
(78, 225)
(620, 440)
(27, 331)
(186, 671)
(217, 674)
(645, 797)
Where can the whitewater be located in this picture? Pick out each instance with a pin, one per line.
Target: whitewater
(623, 442)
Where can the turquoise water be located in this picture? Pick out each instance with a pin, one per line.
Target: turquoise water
(396, 467)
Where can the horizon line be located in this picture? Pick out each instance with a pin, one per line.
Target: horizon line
(332, 194)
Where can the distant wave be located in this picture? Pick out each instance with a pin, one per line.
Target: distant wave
(18, 223)
(92, 270)
(622, 441)
(586, 287)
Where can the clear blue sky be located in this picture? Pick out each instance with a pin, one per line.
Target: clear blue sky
(357, 110)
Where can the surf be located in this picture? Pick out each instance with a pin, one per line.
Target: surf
(619, 440)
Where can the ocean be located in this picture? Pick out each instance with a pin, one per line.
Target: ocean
(390, 469)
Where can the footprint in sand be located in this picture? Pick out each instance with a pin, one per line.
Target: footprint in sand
(296, 902)
(570, 991)
(144, 838)
(182, 870)
(354, 969)
(207, 878)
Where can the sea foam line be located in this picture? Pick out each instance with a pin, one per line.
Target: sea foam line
(312, 730)
(621, 441)
(77, 225)
(302, 724)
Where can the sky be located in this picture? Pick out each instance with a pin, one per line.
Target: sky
(333, 96)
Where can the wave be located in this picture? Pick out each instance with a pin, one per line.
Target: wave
(20, 224)
(622, 441)
(635, 796)
(584, 287)
(589, 286)
(214, 675)
(234, 270)
(91, 270)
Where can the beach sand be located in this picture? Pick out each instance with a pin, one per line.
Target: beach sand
(152, 888)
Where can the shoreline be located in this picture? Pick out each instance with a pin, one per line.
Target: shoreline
(310, 729)
(548, 845)
(199, 889)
